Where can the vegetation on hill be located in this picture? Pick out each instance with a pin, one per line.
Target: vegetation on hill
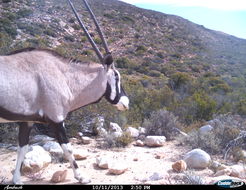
(165, 60)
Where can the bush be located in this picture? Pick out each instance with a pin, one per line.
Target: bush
(122, 141)
(225, 129)
(161, 122)
(24, 13)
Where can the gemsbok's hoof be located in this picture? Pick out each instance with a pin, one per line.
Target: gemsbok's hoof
(83, 180)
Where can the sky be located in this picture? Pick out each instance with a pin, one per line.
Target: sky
(228, 16)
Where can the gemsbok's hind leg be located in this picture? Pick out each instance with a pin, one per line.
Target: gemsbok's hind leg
(68, 151)
(23, 138)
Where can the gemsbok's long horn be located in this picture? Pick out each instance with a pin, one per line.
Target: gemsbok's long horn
(100, 56)
(98, 27)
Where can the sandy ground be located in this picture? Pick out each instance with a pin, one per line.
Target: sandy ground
(140, 161)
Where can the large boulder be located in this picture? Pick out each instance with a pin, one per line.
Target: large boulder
(197, 159)
(36, 160)
(55, 150)
(155, 141)
(40, 139)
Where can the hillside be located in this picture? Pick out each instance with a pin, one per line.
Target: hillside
(166, 61)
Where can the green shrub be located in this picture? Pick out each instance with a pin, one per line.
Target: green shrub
(24, 13)
(179, 79)
(122, 141)
(69, 38)
(225, 129)
(162, 122)
(50, 32)
(140, 49)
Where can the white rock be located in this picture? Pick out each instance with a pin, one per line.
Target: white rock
(238, 171)
(102, 132)
(114, 127)
(205, 129)
(197, 159)
(116, 134)
(53, 147)
(142, 130)
(155, 141)
(80, 154)
(41, 139)
(36, 159)
(139, 143)
(86, 140)
(117, 169)
(155, 176)
(133, 132)
(103, 162)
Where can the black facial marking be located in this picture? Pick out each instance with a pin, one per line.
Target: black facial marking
(119, 93)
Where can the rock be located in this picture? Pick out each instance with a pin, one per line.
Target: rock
(40, 139)
(159, 155)
(141, 137)
(226, 171)
(80, 154)
(80, 134)
(216, 166)
(86, 140)
(155, 141)
(102, 132)
(54, 149)
(205, 129)
(117, 169)
(59, 176)
(114, 127)
(133, 132)
(35, 160)
(139, 143)
(103, 162)
(179, 166)
(116, 134)
(238, 171)
(142, 130)
(156, 176)
(197, 159)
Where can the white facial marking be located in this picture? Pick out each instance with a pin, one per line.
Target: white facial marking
(118, 80)
(112, 83)
(60, 118)
(123, 103)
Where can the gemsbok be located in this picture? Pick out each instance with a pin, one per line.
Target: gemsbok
(41, 86)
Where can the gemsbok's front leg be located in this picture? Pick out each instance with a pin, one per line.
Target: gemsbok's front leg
(23, 137)
(67, 149)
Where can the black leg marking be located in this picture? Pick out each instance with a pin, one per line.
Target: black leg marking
(60, 132)
(24, 132)
(75, 165)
